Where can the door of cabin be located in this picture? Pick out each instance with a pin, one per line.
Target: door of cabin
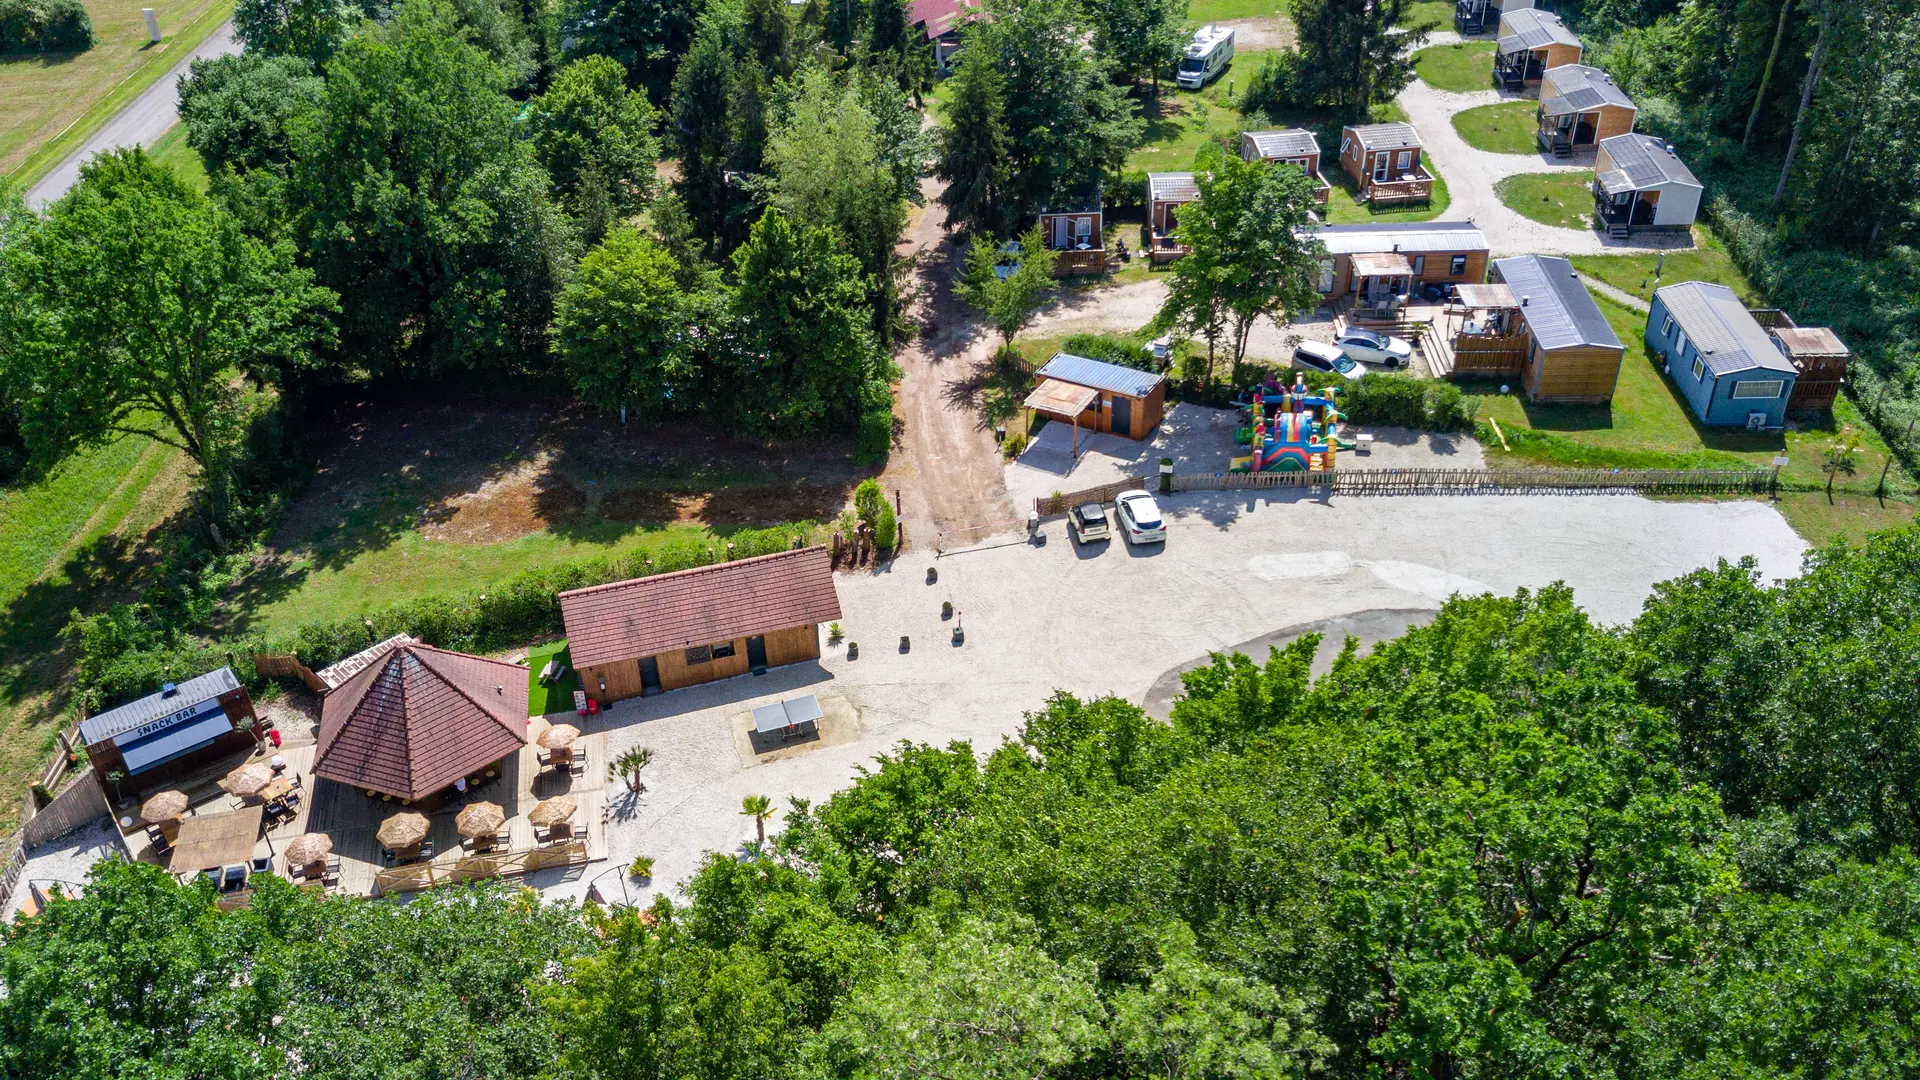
(1122, 416)
(649, 676)
(1060, 234)
(757, 654)
(1380, 168)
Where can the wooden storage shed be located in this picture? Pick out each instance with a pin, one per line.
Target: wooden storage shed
(1384, 159)
(1641, 185)
(664, 632)
(1574, 357)
(171, 732)
(1288, 146)
(1579, 108)
(1096, 396)
(1166, 194)
(1532, 43)
(1817, 353)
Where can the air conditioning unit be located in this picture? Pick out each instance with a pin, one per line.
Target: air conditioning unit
(1756, 421)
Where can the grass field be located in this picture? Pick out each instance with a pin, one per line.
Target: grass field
(1180, 122)
(1200, 12)
(1648, 425)
(172, 151)
(543, 698)
(1431, 14)
(1706, 261)
(1343, 209)
(49, 105)
(1562, 199)
(1505, 127)
(1462, 67)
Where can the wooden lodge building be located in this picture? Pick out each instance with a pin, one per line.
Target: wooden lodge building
(1096, 396)
(1073, 226)
(1581, 107)
(1167, 192)
(1573, 357)
(171, 732)
(1384, 159)
(1288, 146)
(667, 631)
(1370, 261)
(1532, 43)
(1478, 16)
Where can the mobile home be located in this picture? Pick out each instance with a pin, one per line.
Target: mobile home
(1288, 146)
(1641, 185)
(1580, 107)
(1205, 57)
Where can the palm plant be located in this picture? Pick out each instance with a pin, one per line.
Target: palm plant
(759, 808)
(1841, 456)
(628, 766)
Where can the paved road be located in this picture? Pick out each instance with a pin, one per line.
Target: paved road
(140, 123)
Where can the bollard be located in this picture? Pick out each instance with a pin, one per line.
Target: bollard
(153, 26)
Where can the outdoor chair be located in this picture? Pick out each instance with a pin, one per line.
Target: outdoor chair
(234, 878)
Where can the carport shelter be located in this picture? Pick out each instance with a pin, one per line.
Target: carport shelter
(1099, 396)
(170, 733)
(416, 719)
(667, 631)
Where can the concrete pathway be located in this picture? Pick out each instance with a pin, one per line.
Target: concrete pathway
(141, 123)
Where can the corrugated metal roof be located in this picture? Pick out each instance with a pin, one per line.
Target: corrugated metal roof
(419, 718)
(1641, 162)
(1172, 187)
(1572, 88)
(628, 620)
(1809, 341)
(1530, 28)
(1284, 143)
(175, 742)
(1390, 136)
(103, 726)
(1417, 237)
(1558, 309)
(1729, 338)
(1101, 375)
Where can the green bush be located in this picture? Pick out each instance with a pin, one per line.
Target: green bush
(45, 26)
(119, 659)
(1112, 349)
(876, 435)
(871, 503)
(1404, 401)
(1274, 87)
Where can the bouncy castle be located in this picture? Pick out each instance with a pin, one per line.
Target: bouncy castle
(1290, 429)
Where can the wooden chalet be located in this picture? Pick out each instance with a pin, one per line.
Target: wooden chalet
(1073, 226)
(1580, 107)
(1573, 356)
(1641, 185)
(1532, 43)
(667, 631)
(1378, 266)
(1166, 194)
(1478, 16)
(1288, 146)
(1384, 159)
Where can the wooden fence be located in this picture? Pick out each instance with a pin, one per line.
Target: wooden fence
(288, 666)
(416, 876)
(1060, 504)
(1485, 481)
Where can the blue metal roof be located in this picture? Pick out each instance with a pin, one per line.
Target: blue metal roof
(1100, 375)
(170, 742)
(103, 726)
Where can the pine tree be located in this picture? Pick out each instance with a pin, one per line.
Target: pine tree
(974, 145)
(1351, 56)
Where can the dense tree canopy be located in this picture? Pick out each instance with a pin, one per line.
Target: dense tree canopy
(240, 110)
(1495, 846)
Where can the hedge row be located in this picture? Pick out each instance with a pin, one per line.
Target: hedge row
(45, 26)
(1404, 401)
(524, 609)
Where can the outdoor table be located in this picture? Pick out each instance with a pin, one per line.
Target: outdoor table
(214, 841)
(786, 717)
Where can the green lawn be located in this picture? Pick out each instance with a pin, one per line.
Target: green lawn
(173, 152)
(1706, 261)
(1200, 12)
(1462, 67)
(1431, 14)
(1562, 199)
(1181, 121)
(1505, 127)
(543, 698)
(1343, 209)
(1649, 425)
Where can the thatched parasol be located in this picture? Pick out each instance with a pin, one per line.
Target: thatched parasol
(554, 811)
(166, 806)
(480, 819)
(308, 848)
(403, 830)
(559, 735)
(247, 779)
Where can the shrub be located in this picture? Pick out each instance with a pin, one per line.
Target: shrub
(875, 441)
(1014, 445)
(45, 26)
(1404, 401)
(886, 528)
(1130, 194)
(1275, 84)
(641, 869)
(1114, 350)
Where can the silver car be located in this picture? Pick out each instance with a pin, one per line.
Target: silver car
(1371, 348)
(1324, 359)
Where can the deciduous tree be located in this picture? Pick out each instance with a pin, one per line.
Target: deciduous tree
(620, 330)
(1353, 53)
(1008, 283)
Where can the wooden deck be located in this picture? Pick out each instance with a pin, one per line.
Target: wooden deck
(1077, 263)
(1412, 189)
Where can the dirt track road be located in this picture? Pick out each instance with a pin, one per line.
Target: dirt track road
(944, 463)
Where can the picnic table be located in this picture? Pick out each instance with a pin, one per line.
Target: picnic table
(212, 841)
(788, 718)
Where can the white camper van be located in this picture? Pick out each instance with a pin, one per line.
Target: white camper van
(1206, 56)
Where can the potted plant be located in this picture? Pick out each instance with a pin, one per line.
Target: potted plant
(628, 765)
(642, 868)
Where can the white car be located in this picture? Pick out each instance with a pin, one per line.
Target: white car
(1324, 359)
(1369, 347)
(1140, 520)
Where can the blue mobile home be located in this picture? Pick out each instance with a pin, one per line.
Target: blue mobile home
(1721, 358)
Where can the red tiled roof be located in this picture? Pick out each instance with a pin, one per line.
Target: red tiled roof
(940, 16)
(647, 616)
(417, 719)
